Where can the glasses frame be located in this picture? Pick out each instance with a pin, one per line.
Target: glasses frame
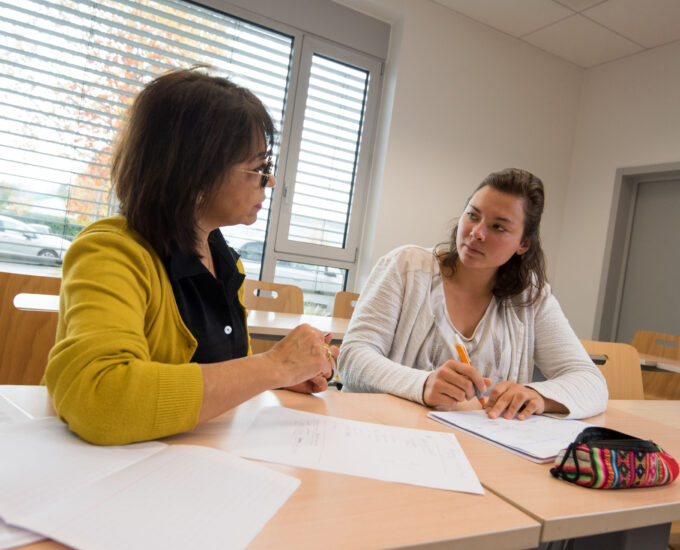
(264, 174)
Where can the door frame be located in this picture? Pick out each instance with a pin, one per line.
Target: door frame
(617, 245)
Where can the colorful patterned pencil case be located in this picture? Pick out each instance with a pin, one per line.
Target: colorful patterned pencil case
(601, 458)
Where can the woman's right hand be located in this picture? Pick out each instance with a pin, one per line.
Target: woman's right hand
(303, 355)
(452, 383)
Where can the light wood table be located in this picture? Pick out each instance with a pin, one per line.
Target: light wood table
(660, 377)
(266, 325)
(269, 325)
(607, 519)
(340, 511)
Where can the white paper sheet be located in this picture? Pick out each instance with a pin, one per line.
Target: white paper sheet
(182, 497)
(10, 413)
(13, 536)
(538, 438)
(388, 453)
(143, 496)
(43, 460)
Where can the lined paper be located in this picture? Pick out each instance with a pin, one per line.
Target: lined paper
(388, 453)
(538, 438)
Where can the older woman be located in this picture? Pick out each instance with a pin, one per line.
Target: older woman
(484, 292)
(152, 336)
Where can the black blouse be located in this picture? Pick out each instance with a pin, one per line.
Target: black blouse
(209, 306)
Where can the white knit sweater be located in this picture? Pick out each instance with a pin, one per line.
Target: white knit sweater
(400, 331)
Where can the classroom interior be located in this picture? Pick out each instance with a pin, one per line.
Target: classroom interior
(460, 99)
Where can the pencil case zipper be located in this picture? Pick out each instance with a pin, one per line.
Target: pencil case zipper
(630, 445)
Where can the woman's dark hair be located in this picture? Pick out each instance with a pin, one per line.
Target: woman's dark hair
(521, 271)
(183, 132)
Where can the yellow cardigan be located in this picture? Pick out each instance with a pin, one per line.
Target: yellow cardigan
(120, 370)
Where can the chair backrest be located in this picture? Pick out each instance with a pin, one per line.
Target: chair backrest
(343, 307)
(26, 337)
(657, 343)
(621, 369)
(276, 297)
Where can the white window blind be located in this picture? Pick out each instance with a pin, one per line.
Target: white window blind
(68, 71)
(329, 150)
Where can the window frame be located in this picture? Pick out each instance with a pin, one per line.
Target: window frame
(277, 245)
(304, 45)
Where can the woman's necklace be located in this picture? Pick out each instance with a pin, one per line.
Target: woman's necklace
(207, 261)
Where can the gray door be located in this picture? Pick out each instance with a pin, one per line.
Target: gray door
(651, 289)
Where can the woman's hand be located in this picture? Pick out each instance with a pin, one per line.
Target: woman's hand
(305, 358)
(508, 399)
(313, 385)
(452, 383)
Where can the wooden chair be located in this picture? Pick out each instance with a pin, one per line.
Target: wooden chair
(343, 307)
(277, 297)
(26, 337)
(659, 383)
(657, 343)
(621, 368)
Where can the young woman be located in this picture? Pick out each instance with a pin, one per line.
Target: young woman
(152, 336)
(486, 290)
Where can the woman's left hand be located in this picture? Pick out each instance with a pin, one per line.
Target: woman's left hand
(507, 398)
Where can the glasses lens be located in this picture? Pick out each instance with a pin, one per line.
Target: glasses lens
(266, 173)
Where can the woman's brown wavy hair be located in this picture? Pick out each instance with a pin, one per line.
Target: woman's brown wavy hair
(521, 271)
(183, 132)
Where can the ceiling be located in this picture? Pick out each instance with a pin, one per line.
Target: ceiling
(584, 32)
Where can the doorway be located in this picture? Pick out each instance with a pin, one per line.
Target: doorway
(639, 288)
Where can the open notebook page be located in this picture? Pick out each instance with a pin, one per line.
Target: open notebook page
(538, 438)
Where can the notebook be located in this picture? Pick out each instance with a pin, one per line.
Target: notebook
(538, 438)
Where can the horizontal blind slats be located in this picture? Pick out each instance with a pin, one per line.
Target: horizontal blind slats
(70, 68)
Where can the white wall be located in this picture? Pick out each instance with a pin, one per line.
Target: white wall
(629, 116)
(466, 100)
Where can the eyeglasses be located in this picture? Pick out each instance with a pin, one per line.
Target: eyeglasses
(265, 173)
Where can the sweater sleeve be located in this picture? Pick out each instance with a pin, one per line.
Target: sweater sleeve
(572, 378)
(119, 372)
(364, 364)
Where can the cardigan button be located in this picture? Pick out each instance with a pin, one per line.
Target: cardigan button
(227, 330)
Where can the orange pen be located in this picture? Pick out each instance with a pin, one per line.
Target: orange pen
(462, 353)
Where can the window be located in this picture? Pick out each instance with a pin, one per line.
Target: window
(322, 190)
(70, 68)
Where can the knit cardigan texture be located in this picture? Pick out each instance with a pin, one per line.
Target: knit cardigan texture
(121, 369)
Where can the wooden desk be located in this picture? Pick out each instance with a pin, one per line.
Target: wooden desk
(566, 510)
(357, 512)
(660, 377)
(274, 326)
(663, 412)
(266, 325)
(339, 511)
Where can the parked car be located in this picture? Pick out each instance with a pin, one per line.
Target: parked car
(252, 250)
(20, 239)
